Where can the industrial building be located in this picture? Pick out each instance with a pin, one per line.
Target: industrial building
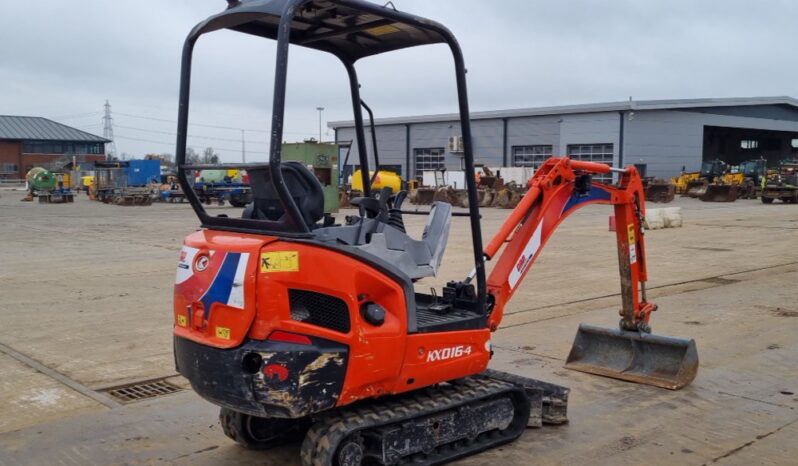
(27, 142)
(661, 137)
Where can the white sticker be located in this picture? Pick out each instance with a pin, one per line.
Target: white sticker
(632, 254)
(525, 260)
(184, 265)
(236, 298)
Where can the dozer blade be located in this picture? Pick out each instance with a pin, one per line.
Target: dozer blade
(661, 361)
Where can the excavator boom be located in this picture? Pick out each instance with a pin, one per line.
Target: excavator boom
(558, 188)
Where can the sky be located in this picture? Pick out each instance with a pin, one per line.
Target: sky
(63, 59)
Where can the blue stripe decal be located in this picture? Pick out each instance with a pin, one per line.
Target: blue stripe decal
(595, 194)
(219, 291)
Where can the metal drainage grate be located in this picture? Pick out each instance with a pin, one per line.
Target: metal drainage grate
(142, 390)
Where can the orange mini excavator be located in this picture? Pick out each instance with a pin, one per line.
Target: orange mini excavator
(301, 327)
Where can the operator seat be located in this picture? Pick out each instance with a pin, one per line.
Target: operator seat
(378, 238)
(302, 184)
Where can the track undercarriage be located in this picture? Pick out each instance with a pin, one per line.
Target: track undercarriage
(429, 426)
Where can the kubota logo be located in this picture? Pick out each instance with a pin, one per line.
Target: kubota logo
(521, 263)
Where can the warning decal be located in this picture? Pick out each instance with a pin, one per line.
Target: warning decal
(279, 261)
(223, 332)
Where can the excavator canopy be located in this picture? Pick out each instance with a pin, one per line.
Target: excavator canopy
(344, 28)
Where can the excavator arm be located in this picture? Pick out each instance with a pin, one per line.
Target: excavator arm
(557, 189)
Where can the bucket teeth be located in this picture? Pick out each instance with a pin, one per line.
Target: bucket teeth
(661, 361)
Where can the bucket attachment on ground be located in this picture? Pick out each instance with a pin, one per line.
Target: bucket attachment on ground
(695, 188)
(661, 361)
(660, 192)
(423, 196)
(721, 193)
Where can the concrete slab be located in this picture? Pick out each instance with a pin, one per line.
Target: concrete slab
(30, 398)
(86, 291)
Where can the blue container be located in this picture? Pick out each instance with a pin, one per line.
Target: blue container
(143, 172)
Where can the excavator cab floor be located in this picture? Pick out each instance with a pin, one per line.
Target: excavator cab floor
(662, 361)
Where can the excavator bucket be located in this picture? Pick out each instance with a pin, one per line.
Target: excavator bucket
(721, 193)
(665, 362)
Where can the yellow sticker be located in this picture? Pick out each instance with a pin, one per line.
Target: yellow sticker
(382, 30)
(631, 230)
(181, 320)
(279, 261)
(223, 332)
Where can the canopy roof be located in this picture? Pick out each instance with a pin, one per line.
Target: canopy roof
(349, 29)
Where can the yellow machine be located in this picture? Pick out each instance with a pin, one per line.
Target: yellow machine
(683, 180)
(86, 182)
(732, 178)
(384, 179)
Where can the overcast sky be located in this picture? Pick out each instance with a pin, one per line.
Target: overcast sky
(62, 59)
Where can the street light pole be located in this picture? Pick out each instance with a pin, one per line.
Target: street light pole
(320, 109)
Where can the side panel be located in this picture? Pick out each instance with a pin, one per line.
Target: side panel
(214, 299)
(434, 357)
(376, 351)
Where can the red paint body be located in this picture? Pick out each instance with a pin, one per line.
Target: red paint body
(386, 359)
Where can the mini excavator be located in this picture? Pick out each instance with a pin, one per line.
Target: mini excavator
(302, 328)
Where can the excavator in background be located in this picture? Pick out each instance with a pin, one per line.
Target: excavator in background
(301, 327)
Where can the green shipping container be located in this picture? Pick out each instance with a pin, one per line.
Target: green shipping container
(322, 159)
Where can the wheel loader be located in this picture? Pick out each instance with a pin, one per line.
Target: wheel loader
(682, 181)
(715, 183)
(303, 328)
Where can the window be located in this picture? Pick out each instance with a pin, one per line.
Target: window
(531, 156)
(794, 144)
(7, 168)
(428, 159)
(601, 153)
(58, 147)
(749, 144)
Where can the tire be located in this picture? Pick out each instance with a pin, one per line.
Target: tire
(236, 202)
(258, 433)
(767, 200)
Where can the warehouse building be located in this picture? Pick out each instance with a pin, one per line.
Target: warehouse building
(661, 137)
(27, 142)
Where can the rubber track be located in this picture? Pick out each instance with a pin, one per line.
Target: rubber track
(325, 436)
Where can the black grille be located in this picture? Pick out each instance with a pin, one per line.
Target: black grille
(141, 390)
(319, 309)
